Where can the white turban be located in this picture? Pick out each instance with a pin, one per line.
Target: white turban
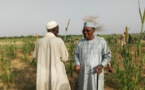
(51, 24)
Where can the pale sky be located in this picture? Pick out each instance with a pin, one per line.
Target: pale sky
(28, 17)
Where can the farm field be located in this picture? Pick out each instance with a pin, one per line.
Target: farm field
(18, 67)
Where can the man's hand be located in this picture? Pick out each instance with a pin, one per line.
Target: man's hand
(109, 68)
(99, 69)
(77, 68)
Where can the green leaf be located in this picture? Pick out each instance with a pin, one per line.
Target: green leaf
(140, 13)
(144, 16)
(67, 24)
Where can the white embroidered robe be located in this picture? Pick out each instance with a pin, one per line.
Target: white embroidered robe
(89, 54)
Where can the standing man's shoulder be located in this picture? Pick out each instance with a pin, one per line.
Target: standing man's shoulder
(81, 41)
(58, 39)
(39, 40)
(101, 39)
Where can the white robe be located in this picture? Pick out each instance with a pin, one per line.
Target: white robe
(89, 54)
(50, 53)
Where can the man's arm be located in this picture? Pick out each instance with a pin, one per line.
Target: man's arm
(77, 63)
(106, 55)
(63, 51)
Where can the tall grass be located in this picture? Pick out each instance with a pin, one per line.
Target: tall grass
(27, 47)
(70, 63)
(128, 68)
(142, 33)
(11, 51)
(7, 53)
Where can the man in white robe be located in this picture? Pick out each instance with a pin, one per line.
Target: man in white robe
(50, 53)
(92, 54)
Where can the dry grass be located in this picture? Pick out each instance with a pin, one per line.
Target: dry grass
(26, 74)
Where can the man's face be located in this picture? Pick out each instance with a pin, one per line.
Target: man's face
(56, 30)
(88, 33)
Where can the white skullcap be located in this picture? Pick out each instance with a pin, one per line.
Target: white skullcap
(89, 24)
(51, 24)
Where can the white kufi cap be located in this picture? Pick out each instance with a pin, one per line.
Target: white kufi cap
(89, 24)
(51, 24)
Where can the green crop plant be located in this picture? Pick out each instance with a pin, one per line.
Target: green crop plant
(27, 47)
(126, 34)
(70, 63)
(128, 73)
(6, 74)
(11, 51)
(66, 29)
(142, 34)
